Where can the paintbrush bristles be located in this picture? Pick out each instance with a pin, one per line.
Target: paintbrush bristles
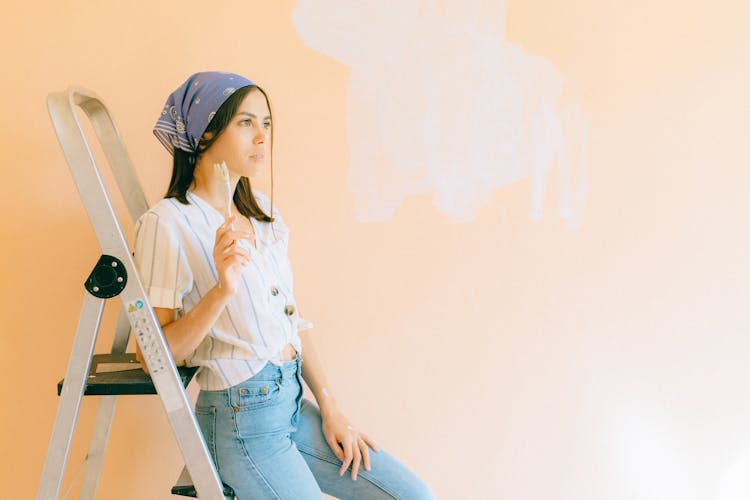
(222, 175)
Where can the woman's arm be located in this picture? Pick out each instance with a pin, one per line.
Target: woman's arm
(185, 334)
(349, 444)
(312, 372)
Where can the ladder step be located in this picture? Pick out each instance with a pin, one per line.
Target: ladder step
(120, 374)
(188, 490)
(185, 488)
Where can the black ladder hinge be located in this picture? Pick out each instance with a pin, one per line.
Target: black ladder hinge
(108, 278)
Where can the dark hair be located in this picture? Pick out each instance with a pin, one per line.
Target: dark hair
(183, 167)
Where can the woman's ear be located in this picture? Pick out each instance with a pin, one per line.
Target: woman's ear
(205, 141)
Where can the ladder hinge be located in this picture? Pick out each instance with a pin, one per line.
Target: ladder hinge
(108, 278)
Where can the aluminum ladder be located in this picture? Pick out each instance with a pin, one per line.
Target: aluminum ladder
(115, 275)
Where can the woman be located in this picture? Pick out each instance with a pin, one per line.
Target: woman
(220, 282)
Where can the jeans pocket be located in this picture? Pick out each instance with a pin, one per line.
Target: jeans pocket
(264, 410)
(206, 417)
(253, 395)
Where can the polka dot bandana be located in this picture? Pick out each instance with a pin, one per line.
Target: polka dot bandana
(190, 108)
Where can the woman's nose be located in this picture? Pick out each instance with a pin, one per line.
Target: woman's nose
(260, 137)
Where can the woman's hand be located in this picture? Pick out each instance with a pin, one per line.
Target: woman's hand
(230, 258)
(348, 444)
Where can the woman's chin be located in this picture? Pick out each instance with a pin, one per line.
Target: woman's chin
(253, 173)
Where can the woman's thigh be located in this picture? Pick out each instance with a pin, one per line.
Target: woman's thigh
(386, 479)
(248, 432)
(281, 475)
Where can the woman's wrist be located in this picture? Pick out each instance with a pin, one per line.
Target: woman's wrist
(221, 294)
(327, 404)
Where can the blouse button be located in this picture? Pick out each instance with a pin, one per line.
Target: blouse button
(274, 291)
(289, 310)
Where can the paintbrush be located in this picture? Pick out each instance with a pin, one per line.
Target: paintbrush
(221, 173)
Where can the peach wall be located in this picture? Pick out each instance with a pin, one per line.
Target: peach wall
(499, 357)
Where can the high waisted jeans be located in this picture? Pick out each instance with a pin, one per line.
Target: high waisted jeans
(267, 443)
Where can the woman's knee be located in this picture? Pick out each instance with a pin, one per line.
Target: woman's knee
(418, 490)
(399, 481)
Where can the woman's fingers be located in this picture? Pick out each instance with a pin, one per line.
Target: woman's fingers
(349, 446)
(227, 229)
(228, 224)
(230, 258)
(365, 452)
(346, 444)
(335, 448)
(226, 239)
(357, 458)
(370, 442)
(352, 454)
(236, 259)
(235, 256)
(234, 250)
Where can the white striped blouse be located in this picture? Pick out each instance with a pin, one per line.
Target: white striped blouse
(173, 254)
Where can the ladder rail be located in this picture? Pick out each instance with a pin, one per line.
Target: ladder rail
(98, 446)
(104, 417)
(70, 398)
(135, 302)
(114, 149)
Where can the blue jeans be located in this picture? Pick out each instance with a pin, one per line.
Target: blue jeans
(267, 443)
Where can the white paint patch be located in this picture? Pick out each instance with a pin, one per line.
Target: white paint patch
(735, 481)
(650, 462)
(439, 102)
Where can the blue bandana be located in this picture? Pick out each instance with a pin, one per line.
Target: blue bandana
(190, 108)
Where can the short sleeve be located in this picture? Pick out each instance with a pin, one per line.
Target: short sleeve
(160, 262)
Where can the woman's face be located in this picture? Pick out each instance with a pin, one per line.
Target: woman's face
(243, 144)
